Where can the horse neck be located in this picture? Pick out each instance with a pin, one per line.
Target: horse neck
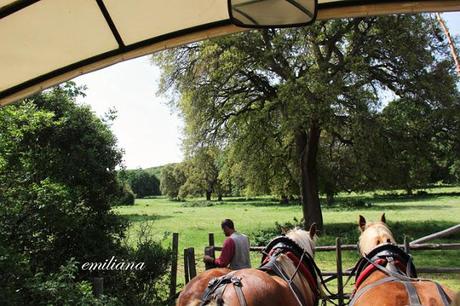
(299, 280)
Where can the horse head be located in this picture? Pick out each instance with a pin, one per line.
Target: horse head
(373, 234)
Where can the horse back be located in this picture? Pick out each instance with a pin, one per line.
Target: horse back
(395, 293)
(192, 292)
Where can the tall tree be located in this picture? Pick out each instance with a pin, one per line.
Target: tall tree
(57, 180)
(171, 179)
(202, 174)
(295, 85)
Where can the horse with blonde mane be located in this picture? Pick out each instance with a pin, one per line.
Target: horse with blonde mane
(285, 278)
(385, 275)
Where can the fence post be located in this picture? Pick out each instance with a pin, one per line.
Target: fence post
(211, 239)
(338, 246)
(192, 263)
(210, 251)
(98, 286)
(186, 270)
(175, 249)
(406, 245)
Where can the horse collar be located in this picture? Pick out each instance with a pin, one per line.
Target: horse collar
(300, 258)
(380, 256)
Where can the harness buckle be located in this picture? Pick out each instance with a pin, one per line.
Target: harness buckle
(236, 281)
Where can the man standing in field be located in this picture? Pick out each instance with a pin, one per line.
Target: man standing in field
(235, 252)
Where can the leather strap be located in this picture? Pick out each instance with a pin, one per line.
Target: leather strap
(217, 286)
(446, 300)
(412, 294)
(366, 288)
(295, 290)
(239, 292)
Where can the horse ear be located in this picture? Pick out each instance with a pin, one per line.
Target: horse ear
(362, 223)
(383, 219)
(312, 230)
(284, 230)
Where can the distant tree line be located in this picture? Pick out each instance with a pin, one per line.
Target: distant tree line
(138, 183)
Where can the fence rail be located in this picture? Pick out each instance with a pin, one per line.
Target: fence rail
(353, 247)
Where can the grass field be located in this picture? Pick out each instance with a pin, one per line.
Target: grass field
(414, 216)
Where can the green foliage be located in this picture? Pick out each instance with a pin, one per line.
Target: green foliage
(57, 180)
(62, 288)
(202, 170)
(298, 111)
(148, 286)
(172, 178)
(155, 170)
(126, 196)
(141, 182)
(57, 184)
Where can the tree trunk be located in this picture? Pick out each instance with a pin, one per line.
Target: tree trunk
(208, 195)
(330, 198)
(219, 197)
(307, 148)
(329, 190)
(284, 199)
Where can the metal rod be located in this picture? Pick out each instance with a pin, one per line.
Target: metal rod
(339, 271)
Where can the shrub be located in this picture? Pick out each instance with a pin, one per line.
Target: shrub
(61, 288)
(148, 286)
(126, 196)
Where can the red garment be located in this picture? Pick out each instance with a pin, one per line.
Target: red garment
(228, 250)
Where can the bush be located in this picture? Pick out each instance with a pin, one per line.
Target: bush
(61, 288)
(146, 287)
(263, 236)
(355, 204)
(126, 196)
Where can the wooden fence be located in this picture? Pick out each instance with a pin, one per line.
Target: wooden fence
(338, 248)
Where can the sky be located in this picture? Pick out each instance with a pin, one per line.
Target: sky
(146, 128)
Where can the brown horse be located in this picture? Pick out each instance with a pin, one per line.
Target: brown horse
(250, 287)
(387, 276)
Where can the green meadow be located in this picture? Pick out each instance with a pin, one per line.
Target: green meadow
(414, 216)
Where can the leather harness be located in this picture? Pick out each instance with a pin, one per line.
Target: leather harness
(216, 288)
(399, 267)
(280, 245)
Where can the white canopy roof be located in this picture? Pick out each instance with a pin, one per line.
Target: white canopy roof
(46, 42)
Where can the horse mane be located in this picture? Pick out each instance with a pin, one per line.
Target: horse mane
(197, 302)
(299, 280)
(303, 239)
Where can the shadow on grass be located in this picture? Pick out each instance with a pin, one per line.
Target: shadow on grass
(413, 230)
(403, 207)
(395, 198)
(258, 202)
(144, 217)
